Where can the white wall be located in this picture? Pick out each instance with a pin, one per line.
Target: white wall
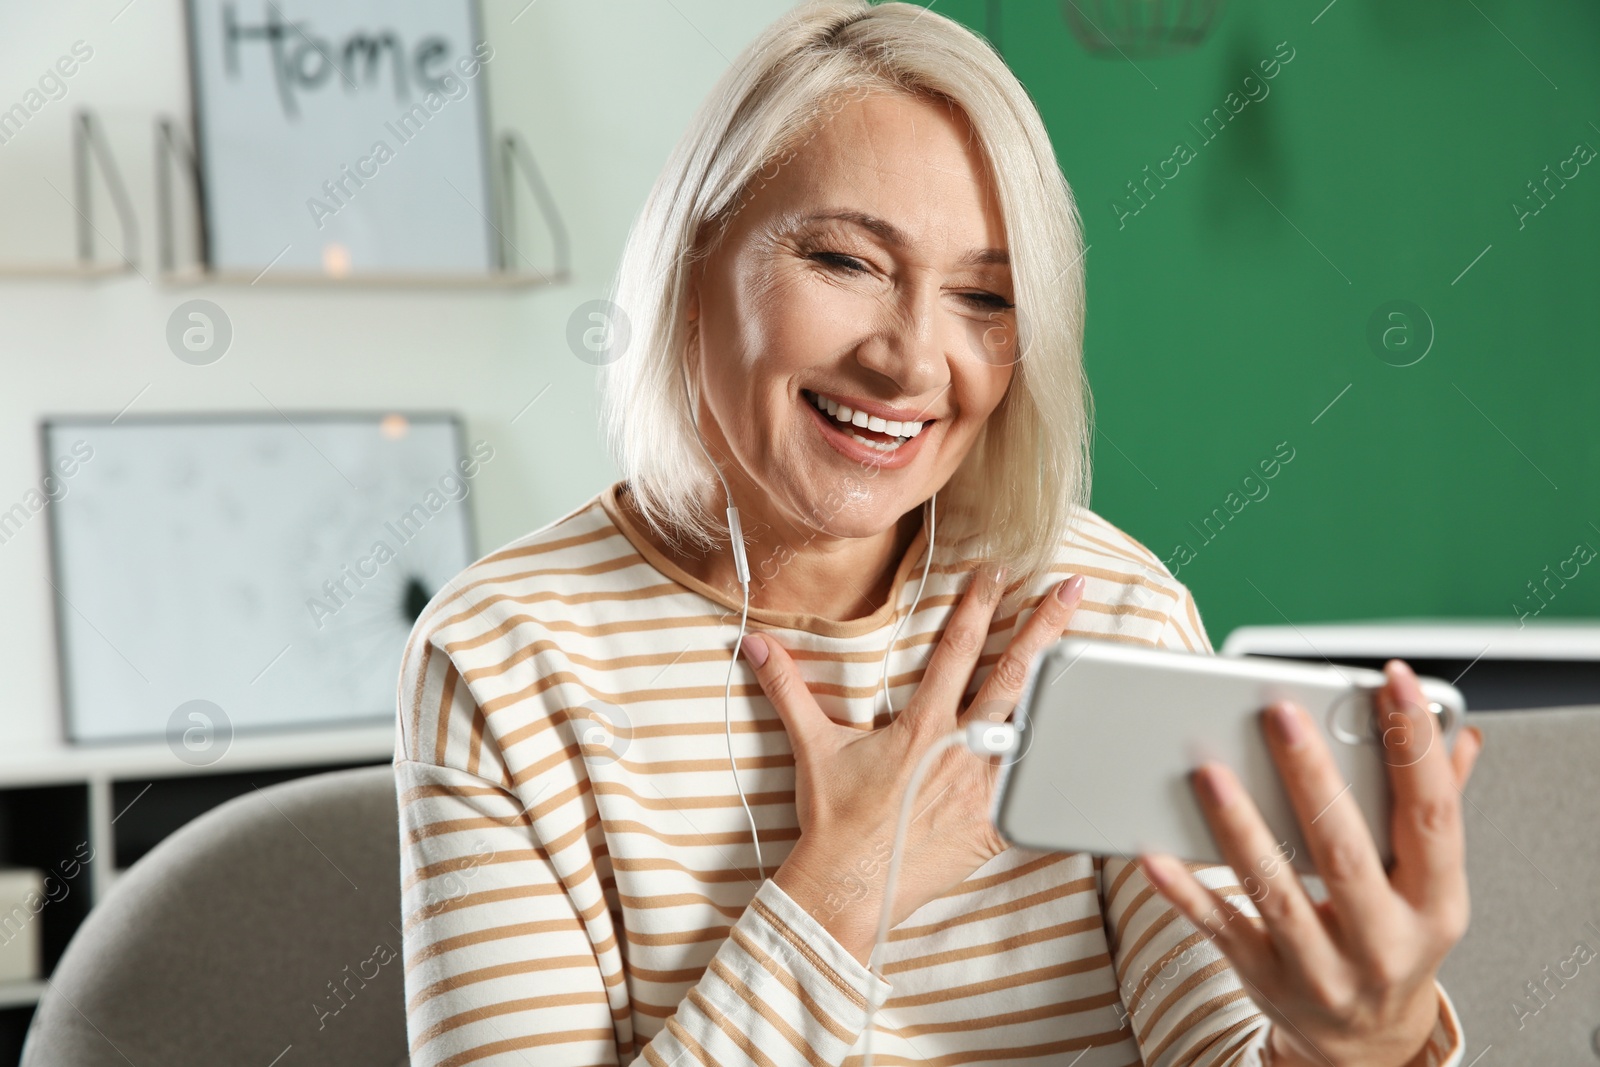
(600, 89)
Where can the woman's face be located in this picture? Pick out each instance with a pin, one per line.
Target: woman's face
(868, 272)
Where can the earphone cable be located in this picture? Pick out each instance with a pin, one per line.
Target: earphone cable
(932, 529)
(742, 569)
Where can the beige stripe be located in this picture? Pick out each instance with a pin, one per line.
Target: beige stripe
(442, 726)
(1167, 916)
(1223, 1038)
(1057, 1049)
(687, 623)
(676, 1029)
(1008, 907)
(743, 1042)
(495, 1048)
(411, 747)
(480, 899)
(424, 792)
(660, 803)
(1054, 1010)
(800, 945)
(731, 837)
(1192, 1023)
(490, 934)
(475, 739)
(459, 826)
(994, 948)
(678, 937)
(774, 1020)
(1181, 992)
(1019, 980)
(1159, 967)
(823, 1017)
(506, 1007)
(600, 533)
(990, 881)
(500, 970)
(418, 875)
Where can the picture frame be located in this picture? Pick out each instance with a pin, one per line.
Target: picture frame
(342, 136)
(235, 559)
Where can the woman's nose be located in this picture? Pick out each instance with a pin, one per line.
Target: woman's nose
(916, 341)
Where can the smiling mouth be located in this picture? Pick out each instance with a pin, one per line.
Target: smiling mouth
(882, 434)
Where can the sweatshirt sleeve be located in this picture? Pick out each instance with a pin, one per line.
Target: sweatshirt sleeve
(512, 951)
(1186, 1004)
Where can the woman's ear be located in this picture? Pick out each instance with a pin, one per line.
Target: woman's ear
(692, 318)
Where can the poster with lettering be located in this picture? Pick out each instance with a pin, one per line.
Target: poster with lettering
(342, 136)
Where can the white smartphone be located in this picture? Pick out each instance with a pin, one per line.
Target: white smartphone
(1109, 734)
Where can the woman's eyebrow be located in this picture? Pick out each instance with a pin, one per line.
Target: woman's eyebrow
(895, 237)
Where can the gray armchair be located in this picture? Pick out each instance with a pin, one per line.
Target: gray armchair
(1518, 979)
(270, 923)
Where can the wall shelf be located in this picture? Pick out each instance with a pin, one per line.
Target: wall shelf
(173, 154)
(314, 279)
(50, 271)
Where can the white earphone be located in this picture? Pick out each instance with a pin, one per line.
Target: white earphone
(741, 566)
(981, 738)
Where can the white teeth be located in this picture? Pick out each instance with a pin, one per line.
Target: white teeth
(881, 446)
(846, 414)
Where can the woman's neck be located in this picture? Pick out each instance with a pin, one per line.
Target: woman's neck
(837, 578)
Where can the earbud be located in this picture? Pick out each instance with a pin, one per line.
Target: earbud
(741, 565)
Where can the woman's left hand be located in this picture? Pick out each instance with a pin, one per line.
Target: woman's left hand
(1349, 980)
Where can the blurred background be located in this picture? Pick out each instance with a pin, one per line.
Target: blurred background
(1342, 325)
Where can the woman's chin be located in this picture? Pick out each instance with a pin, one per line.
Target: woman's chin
(851, 508)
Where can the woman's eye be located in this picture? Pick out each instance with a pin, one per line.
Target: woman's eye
(985, 300)
(992, 301)
(842, 261)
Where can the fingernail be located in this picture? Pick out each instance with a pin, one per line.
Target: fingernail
(1069, 590)
(1291, 728)
(754, 649)
(1216, 786)
(1477, 735)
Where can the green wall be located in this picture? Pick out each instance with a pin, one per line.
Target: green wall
(1233, 309)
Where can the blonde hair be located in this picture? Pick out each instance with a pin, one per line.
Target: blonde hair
(1017, 492)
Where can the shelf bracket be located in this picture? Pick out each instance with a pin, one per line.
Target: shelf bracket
(88, 148)
(172, 146)
(515, 159)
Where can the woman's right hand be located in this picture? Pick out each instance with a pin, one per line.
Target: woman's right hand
(849, 781)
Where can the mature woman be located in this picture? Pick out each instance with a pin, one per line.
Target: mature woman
(856, 308)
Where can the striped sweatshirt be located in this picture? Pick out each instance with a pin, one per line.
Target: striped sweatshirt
(579, 883)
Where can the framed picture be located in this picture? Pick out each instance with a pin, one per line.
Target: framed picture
(342, 136)
(269, 566)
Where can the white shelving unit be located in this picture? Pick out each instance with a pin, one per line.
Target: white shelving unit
(55, 798)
